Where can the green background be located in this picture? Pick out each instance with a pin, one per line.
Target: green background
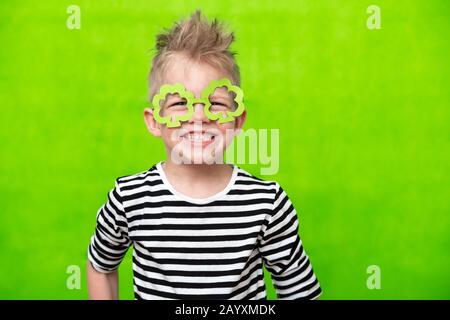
(363, 118)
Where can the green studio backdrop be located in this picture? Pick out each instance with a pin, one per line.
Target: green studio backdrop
(363, 117)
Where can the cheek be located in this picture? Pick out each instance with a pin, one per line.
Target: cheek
(226, 127)
(169, 136)
(227, 131)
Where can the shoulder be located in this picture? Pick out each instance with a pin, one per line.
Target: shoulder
(136, 180)
(244, 178)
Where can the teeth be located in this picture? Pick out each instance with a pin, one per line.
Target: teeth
(199, 137)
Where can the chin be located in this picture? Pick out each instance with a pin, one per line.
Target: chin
(197, 156)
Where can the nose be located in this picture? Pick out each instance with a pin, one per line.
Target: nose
(199, 114)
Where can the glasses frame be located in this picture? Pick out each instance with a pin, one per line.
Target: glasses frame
(178, 88)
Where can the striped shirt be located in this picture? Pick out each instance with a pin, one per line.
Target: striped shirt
(212, 248)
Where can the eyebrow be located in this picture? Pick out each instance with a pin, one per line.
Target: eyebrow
(171, 97)
(220, 96)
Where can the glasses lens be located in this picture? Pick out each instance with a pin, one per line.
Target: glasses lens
(173, 106)
(221, 101)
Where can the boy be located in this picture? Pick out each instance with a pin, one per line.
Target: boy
(201, 229)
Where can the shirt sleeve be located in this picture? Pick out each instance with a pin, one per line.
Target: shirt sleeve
(110, 241)
(283, 253)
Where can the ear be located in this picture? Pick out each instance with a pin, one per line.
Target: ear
(153, 127)
(239, 121)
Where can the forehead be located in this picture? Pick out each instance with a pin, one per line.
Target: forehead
(195, 76)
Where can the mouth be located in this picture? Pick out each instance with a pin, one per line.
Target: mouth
(199, 137)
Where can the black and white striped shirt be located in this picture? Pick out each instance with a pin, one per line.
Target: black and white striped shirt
(213, 248)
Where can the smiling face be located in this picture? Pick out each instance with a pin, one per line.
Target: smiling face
(199, 139)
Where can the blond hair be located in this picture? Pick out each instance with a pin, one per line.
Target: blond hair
(199, 41)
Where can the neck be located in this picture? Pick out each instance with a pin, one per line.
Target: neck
(196, 171)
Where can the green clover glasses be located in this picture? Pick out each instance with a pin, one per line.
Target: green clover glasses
(222, 101)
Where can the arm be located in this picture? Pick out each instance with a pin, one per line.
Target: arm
(108, 246)
(284, 255)
(102, 286)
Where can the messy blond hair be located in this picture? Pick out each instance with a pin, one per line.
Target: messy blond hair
(199, 41)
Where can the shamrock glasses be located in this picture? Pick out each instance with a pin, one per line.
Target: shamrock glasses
(174, 104)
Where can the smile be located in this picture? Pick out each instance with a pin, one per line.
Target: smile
(199, 137)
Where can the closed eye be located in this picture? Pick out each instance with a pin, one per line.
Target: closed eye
(220, 104)
(180, 103)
